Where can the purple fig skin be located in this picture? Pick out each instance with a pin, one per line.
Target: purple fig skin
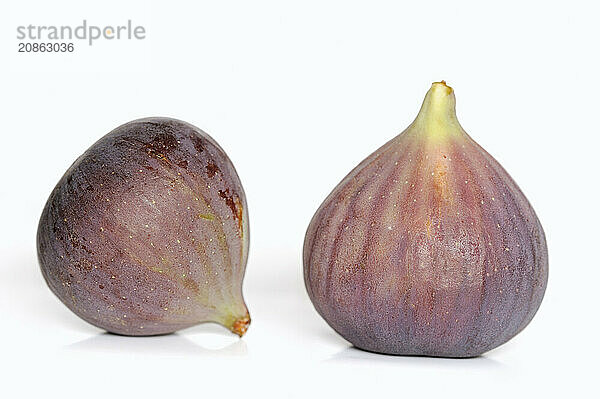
(427, 247)
(147, 232)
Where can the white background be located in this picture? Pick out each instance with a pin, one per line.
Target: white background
(297, 94)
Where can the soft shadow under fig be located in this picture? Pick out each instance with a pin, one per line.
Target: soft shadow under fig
(353, 354)
(202, 340)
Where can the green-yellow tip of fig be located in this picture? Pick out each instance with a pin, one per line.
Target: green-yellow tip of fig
(437, 117)
(235, 319)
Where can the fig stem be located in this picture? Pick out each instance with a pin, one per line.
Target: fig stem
(240, 326)
(437, 117)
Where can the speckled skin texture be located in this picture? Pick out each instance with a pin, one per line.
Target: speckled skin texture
(147, 232)
(428, 247)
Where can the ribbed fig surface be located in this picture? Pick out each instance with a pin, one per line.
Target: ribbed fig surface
(427, 247)
(147, 232)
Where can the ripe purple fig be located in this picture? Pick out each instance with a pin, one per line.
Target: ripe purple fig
(147, 232)
(427, 247)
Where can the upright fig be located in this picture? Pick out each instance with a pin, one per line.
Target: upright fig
(147, 232)
(427, 247)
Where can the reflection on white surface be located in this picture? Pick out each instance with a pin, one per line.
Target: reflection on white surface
(352, 353)
(205, 339)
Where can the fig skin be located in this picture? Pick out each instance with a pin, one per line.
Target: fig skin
(147, 232)
(427, 247)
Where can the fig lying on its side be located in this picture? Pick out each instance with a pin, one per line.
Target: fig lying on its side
(147, 232)
(427, 247)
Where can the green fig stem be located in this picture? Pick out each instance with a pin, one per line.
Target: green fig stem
(237, 322)
(437, 117)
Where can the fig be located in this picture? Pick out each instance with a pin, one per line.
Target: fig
(147, 232)
(427, 247)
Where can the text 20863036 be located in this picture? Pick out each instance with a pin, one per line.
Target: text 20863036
(35, 47)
